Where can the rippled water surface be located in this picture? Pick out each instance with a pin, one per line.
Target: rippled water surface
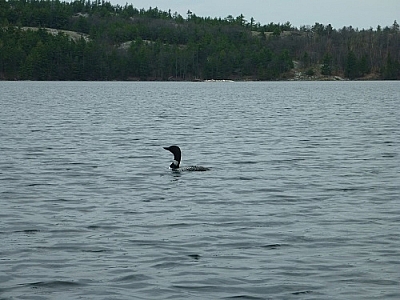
(302, 200)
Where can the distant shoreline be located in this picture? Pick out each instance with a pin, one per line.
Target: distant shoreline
(331, 79)
(79, 41)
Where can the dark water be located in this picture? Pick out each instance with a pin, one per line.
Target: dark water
(302, 201)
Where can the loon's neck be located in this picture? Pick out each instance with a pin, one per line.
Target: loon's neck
(174, 165)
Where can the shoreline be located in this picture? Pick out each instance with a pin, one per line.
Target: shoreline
(208, 80)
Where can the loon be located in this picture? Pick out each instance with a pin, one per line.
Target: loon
(176, 151)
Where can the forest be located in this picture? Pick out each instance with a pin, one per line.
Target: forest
(84, 40)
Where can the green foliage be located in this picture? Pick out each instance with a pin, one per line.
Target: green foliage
(310, 72)
(128, 43)
(391, 70)
(352, 70)
(305, 59)
(356, 67)
(326, 68)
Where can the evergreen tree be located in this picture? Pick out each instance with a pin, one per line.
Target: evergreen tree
(326, 68)
(391, 70)
(351, 70)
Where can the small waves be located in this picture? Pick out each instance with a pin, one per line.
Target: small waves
(301, 201)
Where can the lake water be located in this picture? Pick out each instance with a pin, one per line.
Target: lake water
(302, 200)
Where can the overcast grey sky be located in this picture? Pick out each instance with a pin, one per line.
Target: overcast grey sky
(357, 13)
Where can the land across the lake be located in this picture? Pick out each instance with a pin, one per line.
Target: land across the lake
(84, 41)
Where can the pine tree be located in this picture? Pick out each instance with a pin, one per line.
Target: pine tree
(326, 68)
(351, 70)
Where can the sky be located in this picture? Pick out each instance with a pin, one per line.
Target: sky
(357, 13)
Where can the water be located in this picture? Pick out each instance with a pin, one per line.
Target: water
(302, 200)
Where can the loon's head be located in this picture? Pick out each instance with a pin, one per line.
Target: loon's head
(176, 151)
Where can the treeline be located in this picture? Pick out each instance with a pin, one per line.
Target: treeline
(126, 43)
